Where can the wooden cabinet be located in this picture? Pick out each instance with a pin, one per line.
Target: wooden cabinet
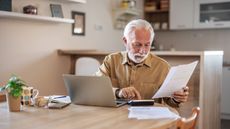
(181, 14)
(157, 13)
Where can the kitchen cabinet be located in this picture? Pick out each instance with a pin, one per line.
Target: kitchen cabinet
(212, 14)
(199, 14)
(181, 14)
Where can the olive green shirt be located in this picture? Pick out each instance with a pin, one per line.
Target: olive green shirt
(146, 77)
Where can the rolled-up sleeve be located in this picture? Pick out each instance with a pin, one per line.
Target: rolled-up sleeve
(104, 69)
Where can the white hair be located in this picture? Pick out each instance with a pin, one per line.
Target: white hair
(137, 24)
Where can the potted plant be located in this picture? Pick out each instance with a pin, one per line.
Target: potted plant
(14, 89)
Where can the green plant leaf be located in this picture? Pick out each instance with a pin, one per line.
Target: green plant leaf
(14, 86)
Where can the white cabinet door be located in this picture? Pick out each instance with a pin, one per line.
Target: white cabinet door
(212, 14)
(181, 14)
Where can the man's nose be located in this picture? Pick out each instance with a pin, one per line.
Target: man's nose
(142, 50)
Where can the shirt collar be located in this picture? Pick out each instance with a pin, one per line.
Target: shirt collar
(126, 60)
(125, 57)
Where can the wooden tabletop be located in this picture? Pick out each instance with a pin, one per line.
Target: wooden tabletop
(76, 117)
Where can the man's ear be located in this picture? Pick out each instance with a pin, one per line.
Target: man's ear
(125, 41)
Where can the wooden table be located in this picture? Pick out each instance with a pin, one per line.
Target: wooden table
(76, 117)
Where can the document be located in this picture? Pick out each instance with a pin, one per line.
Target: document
(151, 113)
(176, 79)
(60, 99)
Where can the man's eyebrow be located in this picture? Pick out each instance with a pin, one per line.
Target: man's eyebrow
(142, 43)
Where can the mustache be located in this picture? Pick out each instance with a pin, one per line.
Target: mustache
(140, 55)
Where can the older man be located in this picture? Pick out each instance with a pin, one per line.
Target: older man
(136, 73)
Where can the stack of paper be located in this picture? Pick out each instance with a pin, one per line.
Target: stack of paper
(151, 113)
(58, 101)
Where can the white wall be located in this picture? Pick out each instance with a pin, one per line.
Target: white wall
(28, 48)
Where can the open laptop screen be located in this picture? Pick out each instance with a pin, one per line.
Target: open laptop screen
(90, 90)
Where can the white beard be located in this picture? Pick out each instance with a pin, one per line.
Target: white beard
(137, 58)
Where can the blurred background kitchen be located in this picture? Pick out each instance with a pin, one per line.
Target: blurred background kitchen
(28, 44)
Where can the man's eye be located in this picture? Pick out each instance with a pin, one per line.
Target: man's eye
(137, 45)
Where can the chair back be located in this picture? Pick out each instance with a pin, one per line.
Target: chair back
(190, 122)
(86, 66)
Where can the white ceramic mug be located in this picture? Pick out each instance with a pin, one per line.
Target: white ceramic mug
(28, 95)
(156, 26)
(164, 26)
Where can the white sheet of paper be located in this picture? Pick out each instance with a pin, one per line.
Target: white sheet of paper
(151, 113)
(176, 79)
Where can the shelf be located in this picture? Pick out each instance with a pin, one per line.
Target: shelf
(78, 1)
(123, 16)
(127, 12)
(15, 15)
(157, 11)
(75, 1)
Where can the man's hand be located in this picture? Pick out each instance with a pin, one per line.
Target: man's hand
(129, 93)
(181, 95)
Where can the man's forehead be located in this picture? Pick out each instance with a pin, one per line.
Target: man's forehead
(139, 32)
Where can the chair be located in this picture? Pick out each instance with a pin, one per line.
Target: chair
(190, 122)
(86, 66)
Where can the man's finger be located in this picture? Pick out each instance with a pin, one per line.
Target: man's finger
(181, 94)
(124, 93)
(132, 93)
(137, 94)
(179, 97)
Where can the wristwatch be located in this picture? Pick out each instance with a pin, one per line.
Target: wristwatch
(117, 93)
(176, 101)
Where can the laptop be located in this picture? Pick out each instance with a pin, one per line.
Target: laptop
(91, 90)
